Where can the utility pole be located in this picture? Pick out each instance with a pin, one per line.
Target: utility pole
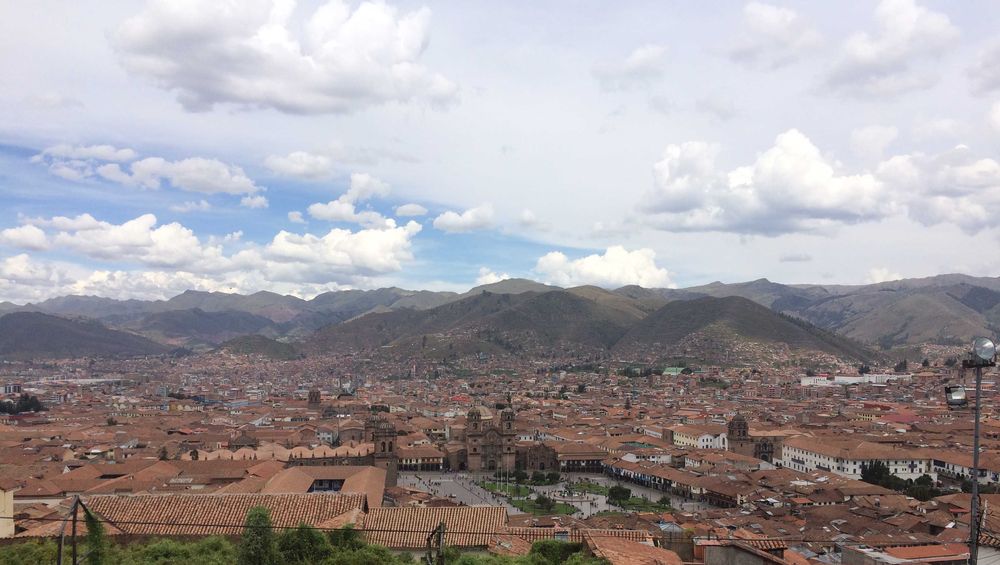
(974, 518)
(435, 546)
(984, 354)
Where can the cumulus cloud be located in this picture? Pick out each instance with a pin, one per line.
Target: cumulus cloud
(790, 187)
(254, 54)
(296, 217)
(175, 258)
(473, 219)
(882, 274)
(410, 210)
(25, 237)
(487, 276)
(643, 66)
(301, 164)
(363, 187)
(793, 187)
(86, 152)
(985, 73)
(871, 141)
(885, 62)
(191, 206)
(615, 268)
(955, 186)
(196, 174)
(254, 202)
(994, 115)
(773, 36)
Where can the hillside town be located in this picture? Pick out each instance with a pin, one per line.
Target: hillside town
(685, 464)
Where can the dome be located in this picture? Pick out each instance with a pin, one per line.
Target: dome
(475, 414)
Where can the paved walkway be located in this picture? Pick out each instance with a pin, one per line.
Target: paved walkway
(462, 487)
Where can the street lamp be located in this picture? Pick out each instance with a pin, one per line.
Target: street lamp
(984, 354)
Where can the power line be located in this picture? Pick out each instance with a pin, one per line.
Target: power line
(592, 532)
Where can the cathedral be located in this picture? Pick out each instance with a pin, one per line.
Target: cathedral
(490, 445)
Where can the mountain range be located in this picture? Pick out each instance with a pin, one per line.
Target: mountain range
(518, 315)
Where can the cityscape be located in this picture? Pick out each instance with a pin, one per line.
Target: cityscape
(380, 282)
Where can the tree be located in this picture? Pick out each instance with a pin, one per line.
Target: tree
(864, 369)
(520, 476)
(24, 403)
(163, 455)
(950, 362)
(305, 544)
(552, 477)
(544, 502)
(553, 551)
(925, 363)
(96, 542)
(258, 547)
(874, 472)
(901, 366)
(112, 421)
(347, 538)
(537, 478)
(618, 493)
(581, 388)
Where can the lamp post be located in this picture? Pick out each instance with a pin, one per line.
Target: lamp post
(984, 354)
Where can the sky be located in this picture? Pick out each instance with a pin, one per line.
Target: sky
(147, 148)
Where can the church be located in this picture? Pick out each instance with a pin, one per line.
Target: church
(740, 441)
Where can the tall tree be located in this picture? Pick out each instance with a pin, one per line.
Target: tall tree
(258, 546)
(96, 542)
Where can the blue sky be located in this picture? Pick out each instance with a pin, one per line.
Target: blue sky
(147, 148)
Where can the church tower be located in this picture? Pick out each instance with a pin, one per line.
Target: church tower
(385, 439)
(508, 434)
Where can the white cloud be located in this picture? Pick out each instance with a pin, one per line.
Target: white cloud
(296, 217)
(774, 36)
(615, 268)
(363, 187)
(643, 66)
(301, 164)
(985, 73)
(192, 206)
(256, 55)
(473, 219)
(870, 142)
(955, 187)
(790, 187)
(410, 210)
(195, 174)
(487, 276)
(255, 202)
(994, 115)
(882, 274)
(883, 63)
(25, 237)
(86, 152)
(288, 262)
